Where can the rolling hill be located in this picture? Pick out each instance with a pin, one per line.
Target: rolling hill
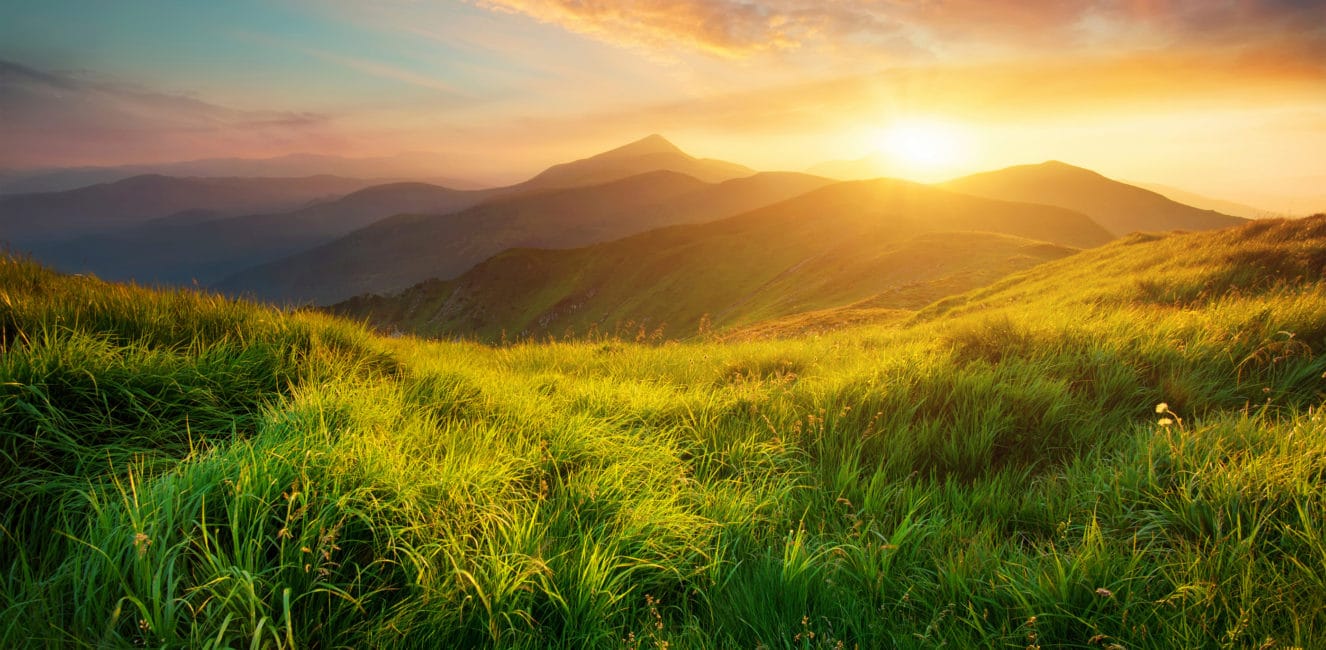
(830, 247)
(28, 218)
(1119, 207)
(394, 253)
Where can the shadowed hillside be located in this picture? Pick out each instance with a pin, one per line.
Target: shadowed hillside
(1119, 207)
(28, 218)
(833, 246)
(183, 248)
(395, 253)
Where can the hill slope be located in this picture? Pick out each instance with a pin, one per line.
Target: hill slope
(178, 470)
(829, 247)
(27, 218)
(1119, 207)
(395, 253)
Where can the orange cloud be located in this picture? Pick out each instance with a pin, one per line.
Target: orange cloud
(741, 28)
(728, 28)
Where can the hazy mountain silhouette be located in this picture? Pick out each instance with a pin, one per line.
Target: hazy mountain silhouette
(1206, 202)
(418, 166)
(47, 216)
(651, 153)
(394, 253)
(206, 241)
(875, 165)
(1119, 207)
(829, 247)
(189, 246)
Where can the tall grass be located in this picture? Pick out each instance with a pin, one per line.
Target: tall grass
(186, 471)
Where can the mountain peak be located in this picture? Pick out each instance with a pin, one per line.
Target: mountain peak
(650, 144)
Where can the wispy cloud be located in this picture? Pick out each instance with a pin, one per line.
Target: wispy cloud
(51, 117)
(728, 28)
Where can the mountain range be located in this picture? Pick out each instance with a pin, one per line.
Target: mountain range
(397, 252)
(641, 234)
(105, 207)
(183, 248)
(420, 166)
(835, 245)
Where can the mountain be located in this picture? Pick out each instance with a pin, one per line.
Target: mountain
(652, 153)
(420, 166)
(395, 253)
(26, 218)
(830, 247)
(1119, 207)
(191, 246)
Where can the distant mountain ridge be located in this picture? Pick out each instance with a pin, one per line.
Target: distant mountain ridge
(874, 165)
(183, 248)
(133, 201)
(421, 166)
(213, 239)
(1119, 207)
(1203, 202)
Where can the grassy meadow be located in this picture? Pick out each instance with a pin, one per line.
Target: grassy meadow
(1124, 448)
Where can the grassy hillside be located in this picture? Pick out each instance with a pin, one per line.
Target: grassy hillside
(395, 253)
(180, 470)
(836, 245)
(1119, 207)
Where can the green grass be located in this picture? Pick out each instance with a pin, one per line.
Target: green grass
(180, 470)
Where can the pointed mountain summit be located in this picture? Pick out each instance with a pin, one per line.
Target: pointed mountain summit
(648, 145)
(1119, 207)
(650, 154)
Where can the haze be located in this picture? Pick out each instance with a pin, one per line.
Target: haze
(1226, 99)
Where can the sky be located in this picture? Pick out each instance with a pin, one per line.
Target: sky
(1222, 97)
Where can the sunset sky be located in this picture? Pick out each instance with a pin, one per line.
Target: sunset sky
(1222, 97)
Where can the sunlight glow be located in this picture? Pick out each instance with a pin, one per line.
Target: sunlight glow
(924, 144)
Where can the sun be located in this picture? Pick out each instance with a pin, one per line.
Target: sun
(923, 145)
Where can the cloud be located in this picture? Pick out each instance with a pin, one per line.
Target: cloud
(58, 118)
(745, 28)
(727, 28)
